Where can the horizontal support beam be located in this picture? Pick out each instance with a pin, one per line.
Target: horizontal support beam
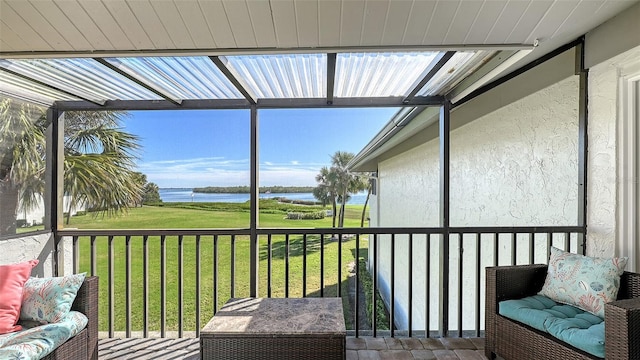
(258, 51)
(351, 102)
(339, 231)
(153, 105)
(244, 104)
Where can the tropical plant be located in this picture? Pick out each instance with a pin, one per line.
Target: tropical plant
(151, 194)
(22, 159)
(98, 161)
(346, 181)
(337, 183)
(326, 190)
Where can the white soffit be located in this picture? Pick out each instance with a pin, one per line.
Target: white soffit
(137, 25)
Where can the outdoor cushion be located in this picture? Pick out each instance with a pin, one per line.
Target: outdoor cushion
(47, 300)
(584, 331)
(585, 282)
(37, 341)
(12, 280)
(567, 323)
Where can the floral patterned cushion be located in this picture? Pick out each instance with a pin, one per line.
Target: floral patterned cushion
(36, 341)
(584, 282)
(47, 300)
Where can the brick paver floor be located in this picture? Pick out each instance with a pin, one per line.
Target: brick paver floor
(362, 348)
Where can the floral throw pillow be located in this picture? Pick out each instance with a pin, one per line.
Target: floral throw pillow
(584, 282)
(48, 300)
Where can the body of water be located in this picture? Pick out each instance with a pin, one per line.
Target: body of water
(187, 195)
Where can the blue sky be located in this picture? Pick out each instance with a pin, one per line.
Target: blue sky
(194, 148)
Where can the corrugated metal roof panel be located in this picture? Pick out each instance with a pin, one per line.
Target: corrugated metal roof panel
(84, 77)
(180, 77)
(282, 76)
(379, 74)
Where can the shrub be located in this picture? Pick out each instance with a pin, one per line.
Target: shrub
(81, 213)
(317, 215)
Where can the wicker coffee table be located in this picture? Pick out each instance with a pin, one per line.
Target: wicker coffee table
(257, 328)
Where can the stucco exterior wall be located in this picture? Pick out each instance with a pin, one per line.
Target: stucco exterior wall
(29, 247)
(515, 166)
(602, 159)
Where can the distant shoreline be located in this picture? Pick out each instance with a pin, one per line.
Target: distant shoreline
(247, 189)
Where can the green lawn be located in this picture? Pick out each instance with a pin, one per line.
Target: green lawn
(167, 217)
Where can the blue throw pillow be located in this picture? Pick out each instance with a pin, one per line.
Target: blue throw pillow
(48, 300)
(584, 282)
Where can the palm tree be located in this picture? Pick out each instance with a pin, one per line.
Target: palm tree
(346, 182)
(326, 190)
(22, 155)
(99, 159)
(364, 184)
(151, 193)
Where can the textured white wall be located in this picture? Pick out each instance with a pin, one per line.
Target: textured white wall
(602, 184)
(515, 166)
(27, 248)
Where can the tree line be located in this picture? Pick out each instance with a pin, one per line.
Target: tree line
(247, 189)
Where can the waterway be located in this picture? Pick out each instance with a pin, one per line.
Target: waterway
(187, 195)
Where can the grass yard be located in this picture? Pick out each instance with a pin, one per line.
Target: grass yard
(167, 217)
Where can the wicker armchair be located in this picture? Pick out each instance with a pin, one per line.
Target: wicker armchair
(512, 340)
(83, 346)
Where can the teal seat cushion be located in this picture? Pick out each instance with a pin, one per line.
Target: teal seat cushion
(584, 331)
(567, 323)
(36, 341)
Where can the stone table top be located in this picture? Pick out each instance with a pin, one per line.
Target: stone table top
(270, 316)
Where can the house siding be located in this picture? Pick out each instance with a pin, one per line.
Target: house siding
(514, 166)
(602, 185)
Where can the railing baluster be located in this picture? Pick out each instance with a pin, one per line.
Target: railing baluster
(76, 255)
(496, 249)
(304, 265)
(127, 241)
(357, 289)
(567, 242)
(478, 276)
(549, 244)
(321, 265)
(94, 265)
(410, 283)
(392, 305)
(233, 266)
(180, 285)
(112, 298)
(163, 286)
(198, 269)
(532, 249)
(460, 273)
(374, 315)
(269, 264)
(215, 274)
(286, 265)
(145, 286)
(339, 281)
(427, 294)
(514, 251)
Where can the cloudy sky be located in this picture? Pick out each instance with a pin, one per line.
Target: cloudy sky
(195, 148)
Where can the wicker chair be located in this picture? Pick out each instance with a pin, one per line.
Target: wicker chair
(512, 340)
(84, 345)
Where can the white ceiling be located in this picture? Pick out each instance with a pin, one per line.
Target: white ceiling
(84, 26)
